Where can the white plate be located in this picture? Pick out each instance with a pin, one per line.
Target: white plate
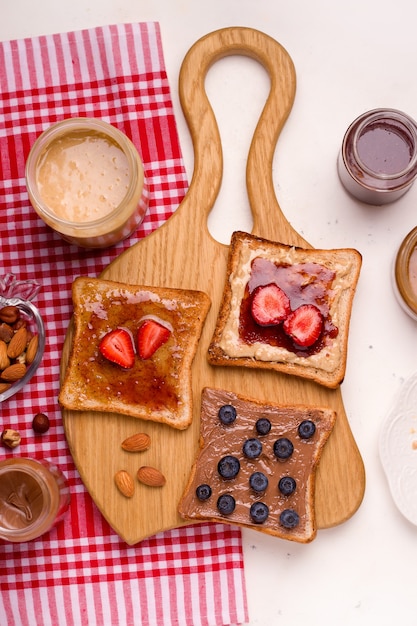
(398, 449)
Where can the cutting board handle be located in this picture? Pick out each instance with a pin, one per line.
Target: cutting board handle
(208, 159)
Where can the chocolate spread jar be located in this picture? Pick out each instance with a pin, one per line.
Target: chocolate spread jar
(34, 497)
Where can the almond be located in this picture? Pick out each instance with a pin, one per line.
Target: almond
(4, 387)
(14, 372)
(151, 476)
(32, 349)
(137, 443)
(9, 314)
(124, 483)
(4, 359)
(17, 343)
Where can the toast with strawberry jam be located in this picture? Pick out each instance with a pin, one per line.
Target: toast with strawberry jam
(286, 308)
(132, 350)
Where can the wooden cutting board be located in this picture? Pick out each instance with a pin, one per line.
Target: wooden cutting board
(183, 254)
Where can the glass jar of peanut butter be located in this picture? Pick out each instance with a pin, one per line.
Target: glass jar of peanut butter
(86, 181)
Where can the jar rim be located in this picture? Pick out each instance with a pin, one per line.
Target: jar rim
(376, 115)
(60, 129)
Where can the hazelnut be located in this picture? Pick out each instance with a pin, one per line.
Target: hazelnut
(20, 323)
(9, 314)
(6, 332)
(10, 438)
(40, 423)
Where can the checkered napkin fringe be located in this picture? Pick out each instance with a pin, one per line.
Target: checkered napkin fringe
(81, 573)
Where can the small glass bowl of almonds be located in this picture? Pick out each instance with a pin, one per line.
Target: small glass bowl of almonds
(22, 334)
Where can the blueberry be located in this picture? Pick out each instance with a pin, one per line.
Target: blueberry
(226, 504)
(259, 512)
(258, 482)
(228, 467)
(203, 492)
(283, 448)
(227, 414)
(287, 485)
(289, 518)
(306, 429)
(252, 448)
(263, 426)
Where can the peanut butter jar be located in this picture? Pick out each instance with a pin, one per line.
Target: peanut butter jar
(86, 180)
(405, 274)
(34, 497)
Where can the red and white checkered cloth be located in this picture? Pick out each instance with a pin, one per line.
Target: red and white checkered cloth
(82, 573)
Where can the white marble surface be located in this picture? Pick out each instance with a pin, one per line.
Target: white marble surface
(348, 60)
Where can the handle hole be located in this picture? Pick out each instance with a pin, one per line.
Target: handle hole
(237, 88)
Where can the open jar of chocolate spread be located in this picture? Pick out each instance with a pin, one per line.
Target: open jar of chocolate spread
(377, 162)
(34, 497)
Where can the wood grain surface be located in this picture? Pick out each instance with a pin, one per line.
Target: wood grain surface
(183, 254)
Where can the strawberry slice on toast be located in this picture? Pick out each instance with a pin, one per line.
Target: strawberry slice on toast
(117, 347)
(151, 336)
(304, 325)
(270, 305)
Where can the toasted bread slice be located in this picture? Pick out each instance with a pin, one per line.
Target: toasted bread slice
(157, 388)
(324, 279)
(261, 501)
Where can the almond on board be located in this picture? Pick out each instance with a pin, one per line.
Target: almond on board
(136, 443)
(151, 476)
(124, 483)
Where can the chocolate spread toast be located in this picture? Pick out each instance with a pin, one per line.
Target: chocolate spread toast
(256, 465)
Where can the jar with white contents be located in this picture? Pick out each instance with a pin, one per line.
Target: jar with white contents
(86, 181)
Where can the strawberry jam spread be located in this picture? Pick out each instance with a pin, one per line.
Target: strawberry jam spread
(151, 383)
(303, 283)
